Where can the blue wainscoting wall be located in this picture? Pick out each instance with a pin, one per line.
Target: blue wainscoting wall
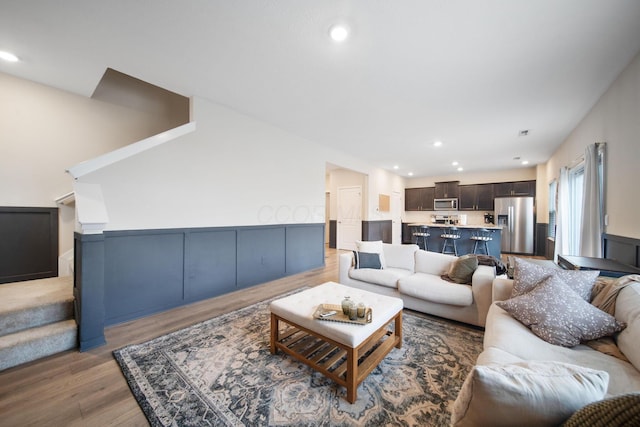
(123, 275)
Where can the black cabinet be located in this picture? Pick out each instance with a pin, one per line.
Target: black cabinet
(418, 199)
(468, 197)
(485, 197)
(516, 188)
(476, 197)
(447, 190)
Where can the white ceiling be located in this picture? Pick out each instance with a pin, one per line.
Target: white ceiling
(471, 73)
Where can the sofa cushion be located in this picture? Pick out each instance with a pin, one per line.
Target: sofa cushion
(560, 316)
(400, 256)
(366, 260)
(530, 393)
(387, 277)
(628, 311)
(527, 275)
(433, 262)
(493, 355)
(432, 288)
(461, 270)
(374, 247)
(509, 335)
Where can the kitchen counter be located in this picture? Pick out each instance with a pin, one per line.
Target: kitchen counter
(464, 244)
(476, 226)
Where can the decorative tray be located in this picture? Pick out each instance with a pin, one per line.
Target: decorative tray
(340, 316)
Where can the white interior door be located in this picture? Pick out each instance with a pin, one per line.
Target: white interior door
(349, 227)
(396, 218)
(327, 213)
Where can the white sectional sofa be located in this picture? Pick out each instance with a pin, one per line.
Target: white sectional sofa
(414, 275)
(506, 340)
(523, 379)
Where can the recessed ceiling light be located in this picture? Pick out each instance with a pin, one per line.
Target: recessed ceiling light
(338, 33)
(454, 163)
(460, 169)
(410, 174)
(8, 56)
(396, 167)
(437, 144)
(525, 162)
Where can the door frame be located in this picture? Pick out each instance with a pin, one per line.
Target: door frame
(339, 218)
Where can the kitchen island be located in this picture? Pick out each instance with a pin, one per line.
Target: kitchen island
(464, 244)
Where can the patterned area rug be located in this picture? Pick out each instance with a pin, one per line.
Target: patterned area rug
(220, 373)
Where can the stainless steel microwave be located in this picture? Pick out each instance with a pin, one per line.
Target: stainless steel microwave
(445, 204)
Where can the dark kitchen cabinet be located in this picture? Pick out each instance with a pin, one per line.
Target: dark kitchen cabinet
(516, 188)
(485, 197)
(468, 196)
(418, 199)
(476, 197)
(447, 190)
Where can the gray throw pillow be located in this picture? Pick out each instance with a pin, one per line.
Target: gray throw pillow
(461, 270)
(367, 260)
(559, 316)
(527, 275)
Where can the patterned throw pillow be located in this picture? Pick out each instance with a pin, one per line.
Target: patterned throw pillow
(559, 316)
(527, 275)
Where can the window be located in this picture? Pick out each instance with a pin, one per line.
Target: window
(575, 196)
(576, 185)
(553, 199)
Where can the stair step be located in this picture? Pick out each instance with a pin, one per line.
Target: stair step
(25, 305)
(35, 343)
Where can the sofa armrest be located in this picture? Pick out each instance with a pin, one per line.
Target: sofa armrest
(501, 289)
(345, 263)
(481, 285)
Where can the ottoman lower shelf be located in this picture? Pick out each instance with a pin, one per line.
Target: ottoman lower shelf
(347, 366)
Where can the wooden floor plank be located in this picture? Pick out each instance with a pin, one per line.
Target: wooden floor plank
(82, 389)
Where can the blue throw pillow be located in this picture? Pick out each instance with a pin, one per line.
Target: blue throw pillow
(367, 260)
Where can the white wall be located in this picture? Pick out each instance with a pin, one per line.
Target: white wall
(232, 171)
(614, 119)
(345, 178)
(373, 182)
(44, 130)
(542, 194)
(383, 182)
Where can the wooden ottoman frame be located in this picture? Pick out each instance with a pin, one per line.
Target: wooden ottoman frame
(346, 365)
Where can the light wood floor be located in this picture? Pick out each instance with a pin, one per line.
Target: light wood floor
(88, 389)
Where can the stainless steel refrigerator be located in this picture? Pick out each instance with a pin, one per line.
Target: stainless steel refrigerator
(516, 216)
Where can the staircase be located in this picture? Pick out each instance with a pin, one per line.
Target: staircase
(36, 320)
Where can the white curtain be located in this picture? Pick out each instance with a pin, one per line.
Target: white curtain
(562, 216)
(591, 224)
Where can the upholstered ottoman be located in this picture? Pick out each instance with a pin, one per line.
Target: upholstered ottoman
(343, 352)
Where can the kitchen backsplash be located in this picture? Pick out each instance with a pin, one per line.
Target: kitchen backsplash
(473, 217)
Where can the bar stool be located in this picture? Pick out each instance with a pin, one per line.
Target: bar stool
(481, 240)
(421, 234)
(450, 236)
